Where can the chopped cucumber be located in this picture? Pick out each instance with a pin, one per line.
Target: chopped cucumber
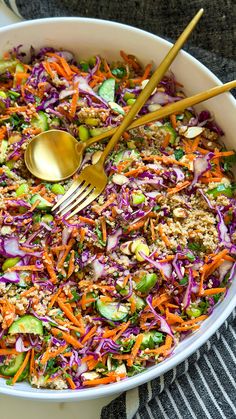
(221, 189)
(112, 311)
(146, 283)
(140, 303)
(7, 65)
(27, 324)
(3, 150)
(47, 218)
(170, 130)
(9, 263)
(97, 131)
(22, 189)
(83, 133)
(138, 198)
(193, 311)
(12, 367)
(55, 122)
(19, 69)
(93, 122)
(126, 155)
(130, 102)
(58, 189)
(40, 121)
(129, 95)
(43, 204)
(151, 339)
(3, 94)
(107, 90)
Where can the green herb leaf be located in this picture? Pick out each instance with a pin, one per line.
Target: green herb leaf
(179, 153)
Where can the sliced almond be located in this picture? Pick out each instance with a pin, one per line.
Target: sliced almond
(96, 156)
(154, 107)
(193, 132)
(119, 179)
(180, 213)
(125, 248)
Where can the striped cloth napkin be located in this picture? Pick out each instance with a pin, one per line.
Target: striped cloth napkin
(204, 386)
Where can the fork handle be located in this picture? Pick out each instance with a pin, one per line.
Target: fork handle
(167, 110)
(150, 86)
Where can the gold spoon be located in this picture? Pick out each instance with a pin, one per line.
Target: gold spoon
(48, 166)
(55, 155)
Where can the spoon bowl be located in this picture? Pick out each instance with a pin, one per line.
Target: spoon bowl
(53, 155)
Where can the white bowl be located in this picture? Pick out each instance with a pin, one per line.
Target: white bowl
(86, 37)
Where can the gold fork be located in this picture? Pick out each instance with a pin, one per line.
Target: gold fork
(93, 179)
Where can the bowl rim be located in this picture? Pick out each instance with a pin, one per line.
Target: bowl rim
(174, 360)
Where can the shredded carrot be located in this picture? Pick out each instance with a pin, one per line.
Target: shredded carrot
(224, 154)
(104, 380)
(163, 236)
(135, 172)
(69, 314)
(122, 330)
(160, 300)
(48, 69)
(195, 143)
(99, 208)
(21, 369)
(74, 101)
(67, 337)
(87, 220)
(27, 292)
(82, 234)
(104, 229)
(54, 298)
(173, 318)
(71, 267)
(49, 266)
(34, 205)
(179, 187)
(208, 269)
(24, 268)
(136, 226)
(213, 291)
(147, 71)
(69, 247)
(52, 354)
(8, 351)
(70, 382)
(128, 59)
(173, 121)
(90, 334)
(132, 305)
(135, 349)
(32, 362)
(166, 140)
(185, 328)
(229, 258)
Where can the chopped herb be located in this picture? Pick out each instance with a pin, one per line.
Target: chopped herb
(190, 257)
(99, 236)
(184, 280)
(179, 153)
(195, 246)
(119, 72)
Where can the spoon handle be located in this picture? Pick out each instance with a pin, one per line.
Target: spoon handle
(168, 110)
(150, 86)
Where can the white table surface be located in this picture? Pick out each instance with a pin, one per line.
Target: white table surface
(12, 408)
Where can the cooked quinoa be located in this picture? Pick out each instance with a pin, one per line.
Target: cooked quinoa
(111, 291)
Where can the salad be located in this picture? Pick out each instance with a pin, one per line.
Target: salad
(113, 290)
